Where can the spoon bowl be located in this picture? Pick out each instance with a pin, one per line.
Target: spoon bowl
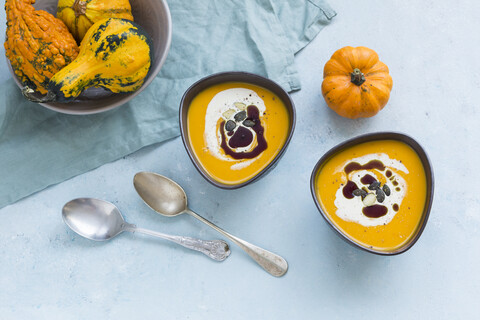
(93, 219)
(161, 194)
(101, 220)
(169, 199)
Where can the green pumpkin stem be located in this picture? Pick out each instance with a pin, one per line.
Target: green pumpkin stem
(29, 94)
(357, 77)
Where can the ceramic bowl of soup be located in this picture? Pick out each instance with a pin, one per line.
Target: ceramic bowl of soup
(235, 127)
(375, 191)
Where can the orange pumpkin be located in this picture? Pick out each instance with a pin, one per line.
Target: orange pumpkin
(356, 84)
(37, 44)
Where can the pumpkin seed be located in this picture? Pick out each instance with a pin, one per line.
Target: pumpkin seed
(248, 123)
(386, 189)
(230, 125)
(369, 199)
(240, 116)
(359, 192)
(380, 195)
(228, 114)
(375, 185)
(240, 105)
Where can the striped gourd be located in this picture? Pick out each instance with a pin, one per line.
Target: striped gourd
(80, 15)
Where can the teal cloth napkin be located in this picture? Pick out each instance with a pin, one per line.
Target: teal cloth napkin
(39, 147)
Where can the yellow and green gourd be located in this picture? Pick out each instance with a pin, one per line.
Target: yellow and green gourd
(80, 15)
(115, 54)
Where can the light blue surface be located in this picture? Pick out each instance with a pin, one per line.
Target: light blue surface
(47, 272)
(39, 147)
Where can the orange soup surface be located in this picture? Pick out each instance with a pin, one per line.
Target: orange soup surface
(374, 192)
(236, 129)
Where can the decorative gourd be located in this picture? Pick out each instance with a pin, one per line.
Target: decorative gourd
(80, 15)
(37, 44)
(355, 83)
(115, 54)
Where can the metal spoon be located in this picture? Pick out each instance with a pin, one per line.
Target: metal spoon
(101, 220)
(169, 199)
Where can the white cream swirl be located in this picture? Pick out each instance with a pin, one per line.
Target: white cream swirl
(224, 102)
(351, 209)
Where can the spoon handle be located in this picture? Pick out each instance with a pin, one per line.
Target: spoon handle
(271, 262)
(215, 249)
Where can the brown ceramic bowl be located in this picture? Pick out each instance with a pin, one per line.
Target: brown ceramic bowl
(154, 17)
(223, 77)
(373, 137)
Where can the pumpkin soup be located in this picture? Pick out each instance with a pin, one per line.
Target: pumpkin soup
(374, 192)
(236, 129)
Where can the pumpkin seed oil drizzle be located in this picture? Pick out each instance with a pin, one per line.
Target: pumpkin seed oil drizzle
(243, 137)
(351, 190)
